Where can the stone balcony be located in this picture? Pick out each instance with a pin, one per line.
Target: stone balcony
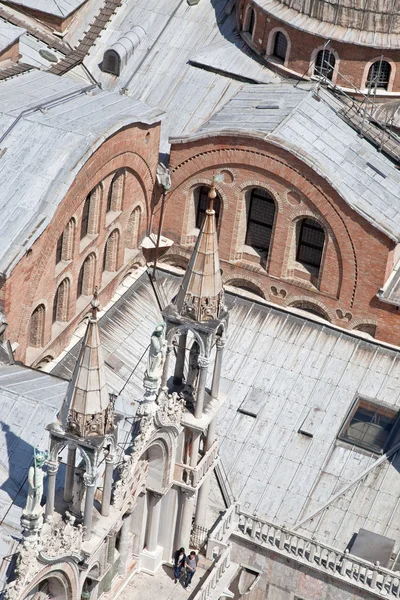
(192, 477)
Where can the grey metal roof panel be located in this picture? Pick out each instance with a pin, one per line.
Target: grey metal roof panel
(8, 34)
(73, 125)
(314, 131)
(57, 8)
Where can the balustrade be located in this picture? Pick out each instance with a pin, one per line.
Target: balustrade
(221, 564)
(192, 476)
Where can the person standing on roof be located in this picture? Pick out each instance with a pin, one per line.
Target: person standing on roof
(179, 563)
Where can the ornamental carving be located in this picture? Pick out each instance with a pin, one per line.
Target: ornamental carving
(170, 409)
(60, 538)
(25, 570)
(132, 481)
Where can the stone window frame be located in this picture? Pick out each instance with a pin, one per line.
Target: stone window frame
(241, 218)
(313, 59)
(62, 300)
(86, 280)
(308, 304)
(374, 407)
(132, 237)
(111, 251)
(290, 264)
(271, 45)
(36, 338)
(367, 67)
(247, 21)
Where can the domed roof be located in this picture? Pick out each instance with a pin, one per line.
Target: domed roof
(381, 16)
(368, 22)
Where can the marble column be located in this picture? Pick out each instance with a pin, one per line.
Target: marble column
(69, 473)
(164, 377)
(203, 365)
(180, 359)
(204, 491)
(90, 484)
(153, 519)
(125, 543)
(107, 485)
(186, 518)
(217, 368)
(52, 468)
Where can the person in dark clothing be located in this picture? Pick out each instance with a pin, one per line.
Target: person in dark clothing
(179, 562)
(191, 566)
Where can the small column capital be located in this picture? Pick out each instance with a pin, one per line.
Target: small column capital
(52, 466)
(220, 343)
(189, 494)
(90, 479)
(203, 361)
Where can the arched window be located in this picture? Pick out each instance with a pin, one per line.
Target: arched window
(91, 213)
(65, 243)
(86, 277)
(379, 75)
(111, 63)
(280, 46)
(111, 252)
(36, 326)
(325, 64)
(115, 193)
(201, 202)
(260, 219)
(61, 301)
(310, 245)
(311, 308)
(133, 228)
(251, 21)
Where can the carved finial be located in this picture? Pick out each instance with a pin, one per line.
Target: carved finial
(95, 304)
(212, 194)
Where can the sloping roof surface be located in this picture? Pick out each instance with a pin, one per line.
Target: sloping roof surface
(314, 131)
(354, 21)
(160, 72)
(42, 150)
(57, 8)
(9, 34)
(286, 369)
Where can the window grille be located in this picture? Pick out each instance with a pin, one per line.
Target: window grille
(202, 205)
(260, 220)
(325, 64)
(252, 21)
(280, 45)
(59, 249)
(379, 74)
(85, 217)
(311, 243)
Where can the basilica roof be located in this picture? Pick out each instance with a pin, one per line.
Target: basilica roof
(47, 124)
(57, 8)
(355, 21)
(311, 126)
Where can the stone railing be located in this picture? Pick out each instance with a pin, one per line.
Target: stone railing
(192, 476)
(222, 562)
(356, 571)
(219, 536)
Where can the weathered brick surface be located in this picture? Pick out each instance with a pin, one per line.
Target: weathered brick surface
(356, 256)
(353, 61)
(36, 277)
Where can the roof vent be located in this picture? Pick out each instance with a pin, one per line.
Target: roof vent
(268, 106)
(116, 57)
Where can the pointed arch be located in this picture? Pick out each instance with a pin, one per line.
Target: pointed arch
(116, 192)
(133, 228)
(36, 326)
(61, 301)
(86, 277)
(111, 248)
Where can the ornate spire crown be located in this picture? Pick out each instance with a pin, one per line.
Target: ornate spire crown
(201, 295)
(87, 410)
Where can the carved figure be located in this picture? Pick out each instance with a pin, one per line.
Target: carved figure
(157, 352)
(78, 492)
(35, 481)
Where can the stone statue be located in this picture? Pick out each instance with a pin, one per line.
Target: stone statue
(78, 492)
(157, 352)
(35, 481)
(189, 391)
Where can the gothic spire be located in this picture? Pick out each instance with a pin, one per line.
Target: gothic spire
(86, 410)
(200, 296)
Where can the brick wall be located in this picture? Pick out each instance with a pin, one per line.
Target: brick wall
(353, 61)
(34, 281)
(355, 256)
